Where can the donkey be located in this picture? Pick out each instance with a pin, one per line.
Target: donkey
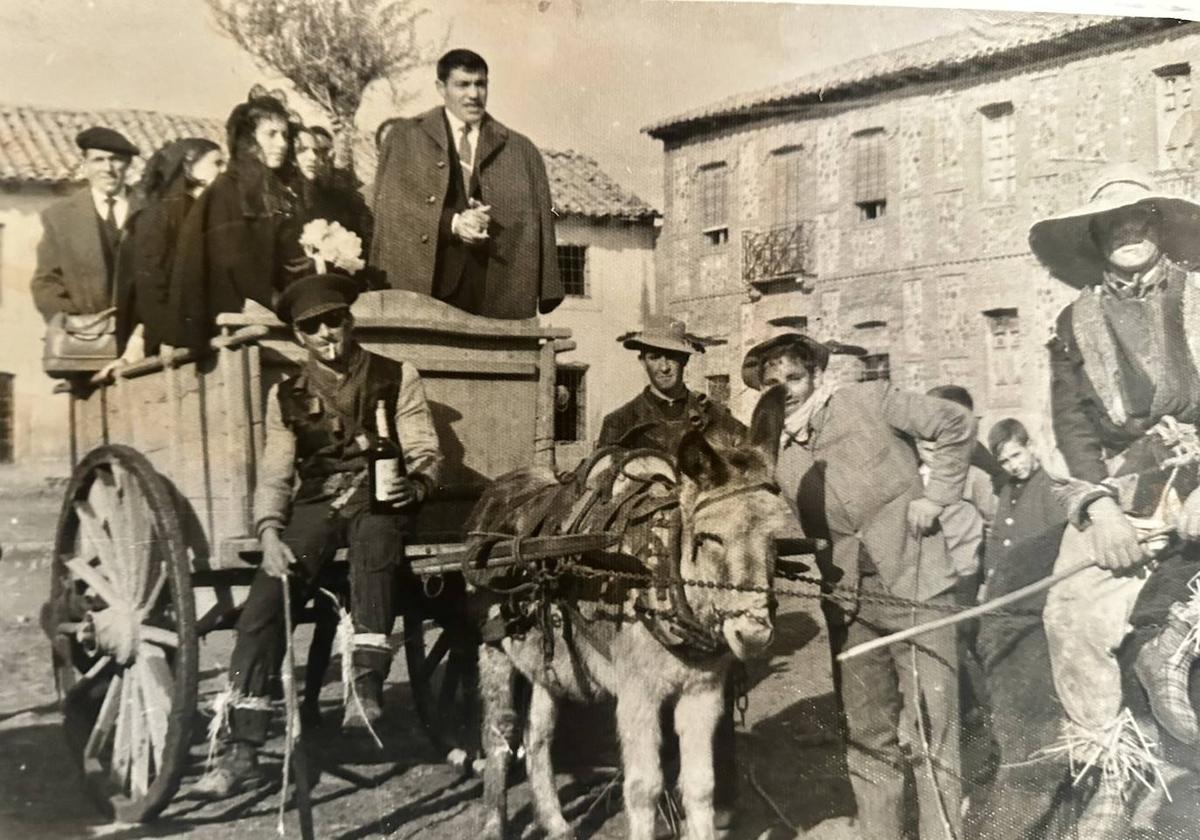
(728, 513)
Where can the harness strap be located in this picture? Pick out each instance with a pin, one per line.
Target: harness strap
(741, 489)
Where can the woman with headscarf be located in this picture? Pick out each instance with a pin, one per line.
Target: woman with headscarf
(173, 178)
(241, 242)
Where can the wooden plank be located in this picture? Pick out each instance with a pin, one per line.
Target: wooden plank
(157, 684)
(238, 445)
(543, 418)
(103, 726)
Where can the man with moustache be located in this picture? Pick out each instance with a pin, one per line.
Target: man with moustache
(81, 235)
(666, 409)
(312, 498)
(462, 204)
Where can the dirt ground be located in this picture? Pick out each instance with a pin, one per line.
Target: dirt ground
(793, 778)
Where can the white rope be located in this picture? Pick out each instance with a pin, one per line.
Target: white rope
(292, 728)
(220, 707)
(345, 646)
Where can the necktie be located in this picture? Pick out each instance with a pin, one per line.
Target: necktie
(110, 218)
(466, 154)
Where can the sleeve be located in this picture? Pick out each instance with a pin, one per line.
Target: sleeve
(1078, 439)
(980, 494)
(276, 469)
(949, 432)
(1074, 495)
(551, 292)
(49, 286)
(610, 431)
(418, 437)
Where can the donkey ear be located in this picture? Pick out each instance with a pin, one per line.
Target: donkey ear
(766, 423)
(700, 462)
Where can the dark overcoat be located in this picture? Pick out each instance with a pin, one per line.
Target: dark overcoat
(241, 241)
(651, 422)
(411, 185)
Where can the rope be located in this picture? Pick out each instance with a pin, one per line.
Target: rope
(345, 647)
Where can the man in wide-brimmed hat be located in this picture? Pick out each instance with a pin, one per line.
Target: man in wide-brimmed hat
(1125, 397)
(313, 497)
(666, 409)
(848, 459)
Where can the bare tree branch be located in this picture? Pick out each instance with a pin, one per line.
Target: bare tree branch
(330, 50)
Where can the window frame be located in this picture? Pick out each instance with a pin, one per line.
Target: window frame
(712, 200)
(870, 173)
(998, 167)
(562, 250)
(579, 395)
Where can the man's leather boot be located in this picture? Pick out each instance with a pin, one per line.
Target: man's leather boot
(236, 769)
(369, 687)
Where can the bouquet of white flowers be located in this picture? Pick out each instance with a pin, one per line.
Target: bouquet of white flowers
(330, 245)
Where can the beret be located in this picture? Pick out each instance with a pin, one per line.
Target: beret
(107, 139)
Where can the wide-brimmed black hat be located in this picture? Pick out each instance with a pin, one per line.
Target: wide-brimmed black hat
(1064, 244)
(315, 295)
(107, 139)
(774, 338)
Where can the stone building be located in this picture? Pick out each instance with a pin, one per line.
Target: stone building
(886, 202)
(606, 237)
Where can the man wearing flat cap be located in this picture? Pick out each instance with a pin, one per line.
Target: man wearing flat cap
(312, 498)
(81, 234)
(848, 459)
(666, 409)
(1125, 399)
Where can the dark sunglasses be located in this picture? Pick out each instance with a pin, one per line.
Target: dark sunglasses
(333, 319)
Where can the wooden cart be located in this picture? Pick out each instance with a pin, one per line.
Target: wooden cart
(155, 545)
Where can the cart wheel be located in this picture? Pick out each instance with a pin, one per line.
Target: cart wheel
(441, 649)
(124, 625)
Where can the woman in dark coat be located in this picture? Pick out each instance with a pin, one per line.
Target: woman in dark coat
(242, 239)
(175, 175)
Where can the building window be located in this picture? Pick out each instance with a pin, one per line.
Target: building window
(875, 367)
(718, 389)
(6, 418)
(870, 174)
(572, 268)
(999, 154)
(1175, 121)
(1004, 347)
(786, 173)
(713, 197)
(570, 404)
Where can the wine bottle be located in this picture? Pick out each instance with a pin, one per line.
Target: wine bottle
(385, 462)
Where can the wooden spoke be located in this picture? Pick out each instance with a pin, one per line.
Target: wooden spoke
(151, 600)
(91, 531)
(157, 684)
(159, 636)
(96, 581)
(123, 738)
(102, 728)
(139, 755)
(84, 682)
(133, 537)
(435, 656)
(104, 505)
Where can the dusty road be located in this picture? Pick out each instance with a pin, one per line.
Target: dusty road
(403, 791)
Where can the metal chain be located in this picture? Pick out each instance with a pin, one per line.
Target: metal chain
(839, 594)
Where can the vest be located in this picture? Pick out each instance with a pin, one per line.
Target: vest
(332, 441)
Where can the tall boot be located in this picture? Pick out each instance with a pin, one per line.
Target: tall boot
(369, 687)
(235, 770)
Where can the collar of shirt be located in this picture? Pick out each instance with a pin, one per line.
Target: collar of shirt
(797, 426)
(667, 401)
(120, 205)
(456, 131)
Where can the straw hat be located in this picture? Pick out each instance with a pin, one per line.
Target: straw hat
(662, 333)
(774, 338)
(1064, 242)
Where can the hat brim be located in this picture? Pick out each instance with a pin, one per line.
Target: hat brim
(342, 285)
(752, 364)
(1064, 244)
(668, 344)
(320, 309)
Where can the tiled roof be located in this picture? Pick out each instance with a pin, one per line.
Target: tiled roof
(999, 44)
(37, 146)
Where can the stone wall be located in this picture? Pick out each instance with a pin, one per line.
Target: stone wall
(943, 254)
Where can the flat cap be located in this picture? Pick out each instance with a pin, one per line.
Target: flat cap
(107, 139)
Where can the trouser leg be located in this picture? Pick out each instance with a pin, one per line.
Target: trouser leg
(871, 699)
(261, 635)
(929, 684)
(1086, 618)
(376, 549)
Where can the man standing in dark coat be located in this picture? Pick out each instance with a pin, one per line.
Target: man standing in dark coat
(462, 204)
(81, 235)
(666, 409)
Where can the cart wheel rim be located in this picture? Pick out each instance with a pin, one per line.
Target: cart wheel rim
(125, 650)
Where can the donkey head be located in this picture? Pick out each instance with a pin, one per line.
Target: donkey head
(731, 514)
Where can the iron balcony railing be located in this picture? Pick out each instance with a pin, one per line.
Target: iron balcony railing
(779, 253)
